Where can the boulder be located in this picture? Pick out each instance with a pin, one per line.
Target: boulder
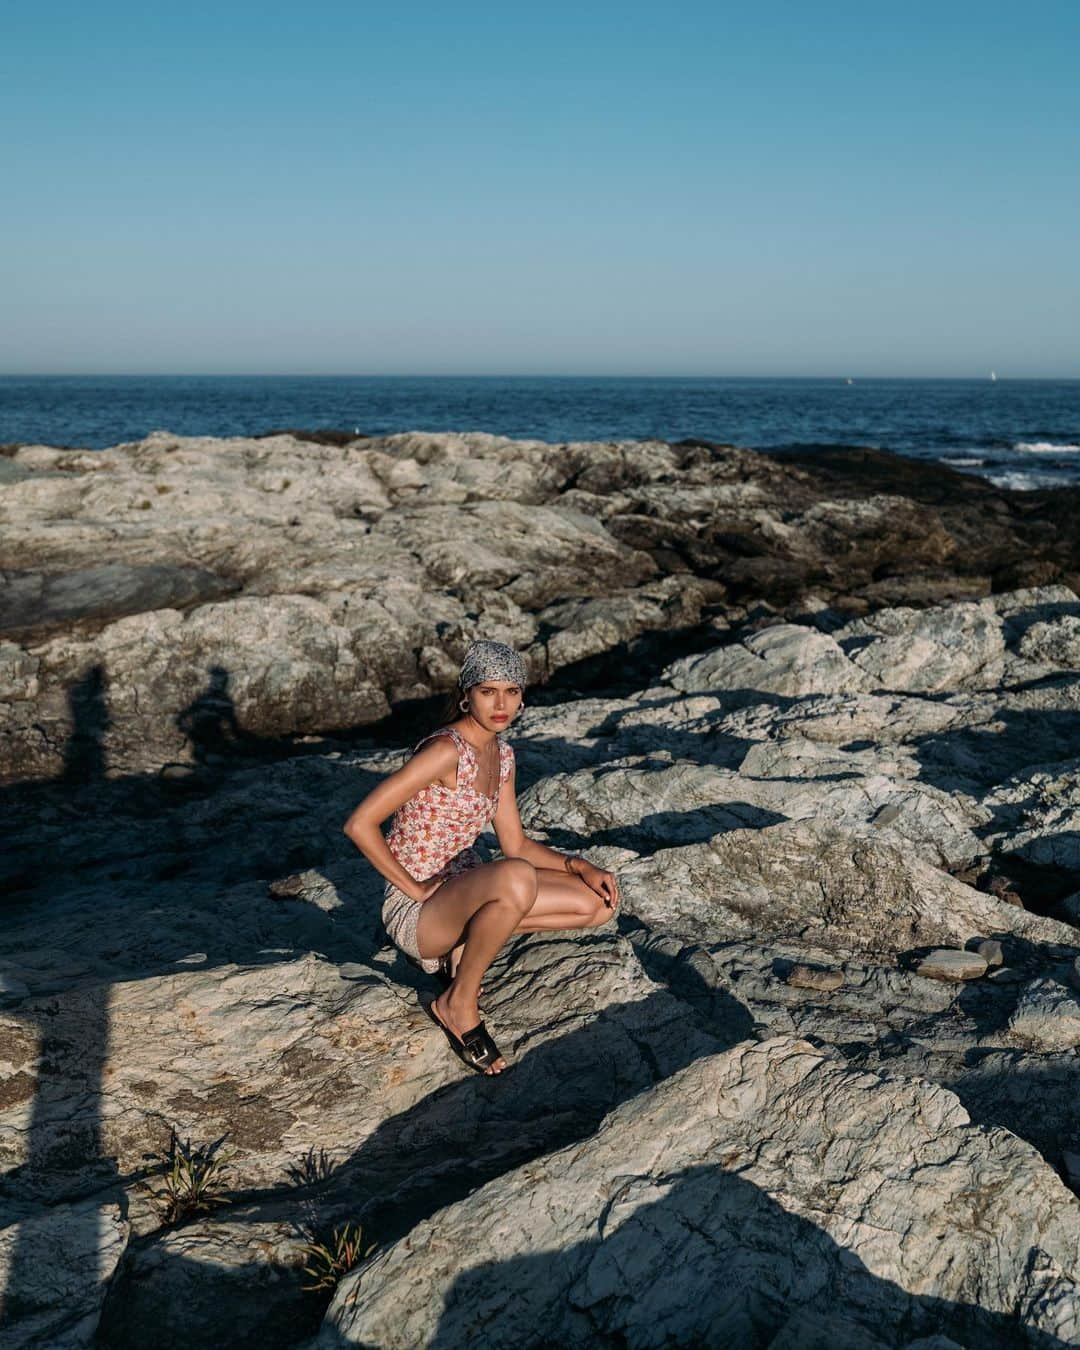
(927, 651)
(767, 1181)
(785, 659)
(822, 885)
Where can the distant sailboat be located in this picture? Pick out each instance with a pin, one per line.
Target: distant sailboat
(849, 381)
(993, 375)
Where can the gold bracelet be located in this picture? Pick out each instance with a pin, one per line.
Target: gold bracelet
(567, 860)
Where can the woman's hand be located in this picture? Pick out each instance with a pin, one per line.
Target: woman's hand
(428, 888)
(603, 883)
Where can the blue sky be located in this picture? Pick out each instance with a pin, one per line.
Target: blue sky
(709, 189)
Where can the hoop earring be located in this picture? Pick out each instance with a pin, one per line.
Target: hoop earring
(464, 705)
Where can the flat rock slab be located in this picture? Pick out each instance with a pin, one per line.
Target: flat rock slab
(948, 964)
(786, 659)
(652, 803)
(299, 1054)
(754, 1185)
(152, 980)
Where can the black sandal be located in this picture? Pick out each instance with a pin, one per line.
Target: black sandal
(475, 1048)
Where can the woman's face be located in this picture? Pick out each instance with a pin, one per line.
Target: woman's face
(495, 703)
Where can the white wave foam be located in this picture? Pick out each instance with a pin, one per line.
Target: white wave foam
(966, 462)
(1019, 481)
(1045, 448)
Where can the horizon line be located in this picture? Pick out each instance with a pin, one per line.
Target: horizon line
(989, 378)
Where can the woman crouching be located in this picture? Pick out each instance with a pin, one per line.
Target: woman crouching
(445, 909)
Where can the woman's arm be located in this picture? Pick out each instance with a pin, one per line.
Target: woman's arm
(436, 762)
(515, 843)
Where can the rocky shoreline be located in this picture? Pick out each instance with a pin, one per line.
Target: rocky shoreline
(818, 1086)
(179, 599)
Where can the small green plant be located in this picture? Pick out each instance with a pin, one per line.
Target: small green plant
(329, 1261)
(191, 1177)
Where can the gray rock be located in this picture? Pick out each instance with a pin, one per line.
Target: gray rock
(752, 831)
(651, 803)
(772, 1159)
(1038, 815)
(822, 1331)
(949, 964)
(786, 659)
(817, 883)
(352, 575)
(581, 628)
(11, 987)
(1047, 1016)
(35, 603)
(1056, 643)
(934, 1343)
(352, 1068)
(927, 651)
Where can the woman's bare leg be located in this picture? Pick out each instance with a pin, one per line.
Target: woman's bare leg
(484, 905)
(563, 901)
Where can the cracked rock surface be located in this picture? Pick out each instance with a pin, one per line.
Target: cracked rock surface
(757, 1186)
(737, 1115)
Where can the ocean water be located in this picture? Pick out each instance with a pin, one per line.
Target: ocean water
(1018, 433)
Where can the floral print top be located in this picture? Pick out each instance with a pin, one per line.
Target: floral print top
(434, 830)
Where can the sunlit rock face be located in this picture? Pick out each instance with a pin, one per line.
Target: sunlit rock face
(783, 1076)
(185, 598)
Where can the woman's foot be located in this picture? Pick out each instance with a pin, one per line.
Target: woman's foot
(460, 1017)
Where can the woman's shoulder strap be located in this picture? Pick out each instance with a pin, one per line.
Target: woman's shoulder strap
(466, 757)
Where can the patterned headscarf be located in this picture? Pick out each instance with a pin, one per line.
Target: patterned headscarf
(491, 661)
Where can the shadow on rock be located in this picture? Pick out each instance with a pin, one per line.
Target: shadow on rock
(982, 757)
(115, 878)
(670, 829)
(412, 1165)
(84, 754)
(713, 1261)
(690, 976)
(211, 725)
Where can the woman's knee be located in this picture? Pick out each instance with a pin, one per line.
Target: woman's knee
(517, 881)
(590, 907)
(600, 914)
